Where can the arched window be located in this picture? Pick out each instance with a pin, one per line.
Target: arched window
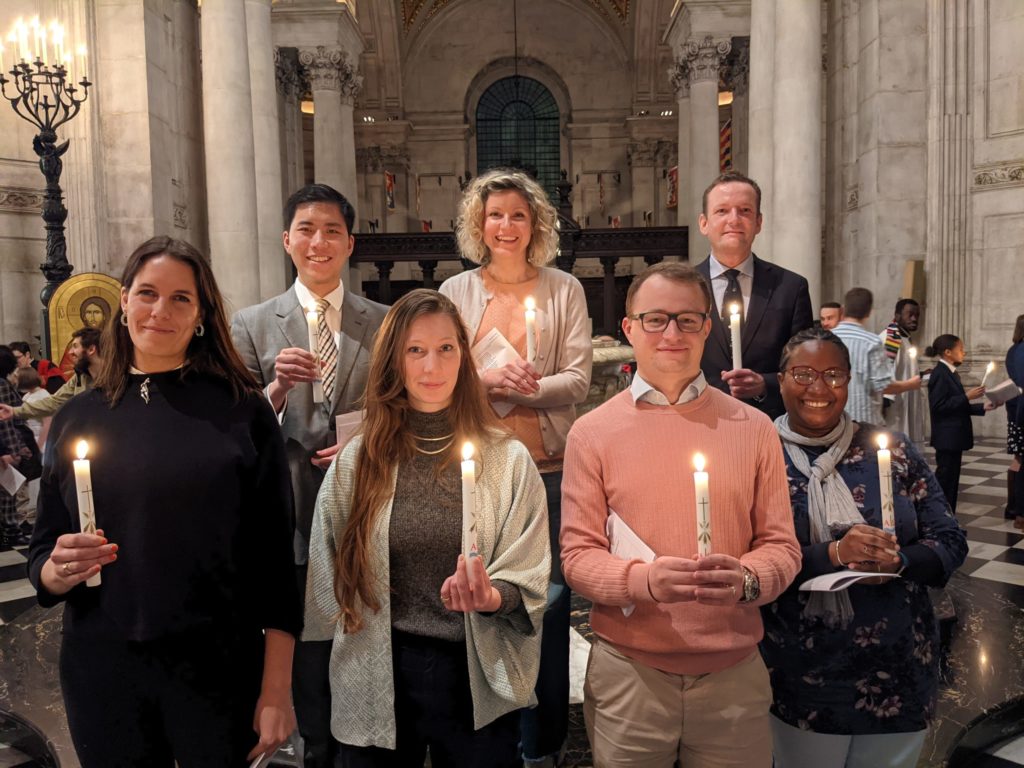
(517, 126)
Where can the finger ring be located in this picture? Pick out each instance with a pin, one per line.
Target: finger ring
(67, 570)
(445, 599)
(733, 588)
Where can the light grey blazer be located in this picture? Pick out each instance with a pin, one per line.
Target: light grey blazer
(260, 333)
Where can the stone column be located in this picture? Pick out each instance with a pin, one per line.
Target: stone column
(267, 145)
(679, 77)
(335, 83)
(229, 148)
(290, 87)
(761, 122)
(704, 59)
(640, 157)
(797, 172)
(739, 78)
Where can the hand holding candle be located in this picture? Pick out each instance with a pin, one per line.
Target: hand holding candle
(312, 324)
(703, 498)
(83, 489)
(885, 484)
(468, 502)
(531, 329)
(735, 330)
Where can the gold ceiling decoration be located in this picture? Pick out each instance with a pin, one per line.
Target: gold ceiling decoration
(411, 9)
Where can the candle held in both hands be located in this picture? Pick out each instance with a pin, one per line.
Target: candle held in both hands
(885, 484)
(736, 331)
(83, 490)
(468, 502)
(531, 329)
(703, 499)
(312, 324)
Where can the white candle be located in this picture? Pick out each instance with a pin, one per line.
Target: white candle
(22, 40)
(468, 501)
(81, 62)
(83, 489)
(312, 324)
(988, 369)
(913, 353)
(531, 329)
(734, 327)
(885, 485)
(703, 498)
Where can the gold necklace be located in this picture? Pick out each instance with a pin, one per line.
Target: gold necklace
(450, 438)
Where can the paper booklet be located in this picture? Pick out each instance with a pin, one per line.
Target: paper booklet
(494, 351)
(840, 580)
(1002, 392)
(623, 542)
(11, 479)
(345, 425)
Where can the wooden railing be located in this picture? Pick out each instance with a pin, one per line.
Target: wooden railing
(428, 249)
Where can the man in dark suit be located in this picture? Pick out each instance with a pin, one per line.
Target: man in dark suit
(273, 340)
(774, 302)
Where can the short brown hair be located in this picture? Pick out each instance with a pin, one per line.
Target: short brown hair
(730, 177)
(28, 379)
(674, 271)
(858, 303)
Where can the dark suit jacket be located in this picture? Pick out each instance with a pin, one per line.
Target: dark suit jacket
(259, 334)
(951, 411)
(780, 306)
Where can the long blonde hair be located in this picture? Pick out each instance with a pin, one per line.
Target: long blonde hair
(543, 216)
(387, 441)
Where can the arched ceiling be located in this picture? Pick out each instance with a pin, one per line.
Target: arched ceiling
(416, 14)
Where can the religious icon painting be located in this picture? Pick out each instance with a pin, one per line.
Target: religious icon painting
(83, 301)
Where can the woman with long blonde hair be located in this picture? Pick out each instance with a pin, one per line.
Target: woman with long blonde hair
(431, 649)
(508, 226)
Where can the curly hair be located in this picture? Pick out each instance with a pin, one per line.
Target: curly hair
(543, 216)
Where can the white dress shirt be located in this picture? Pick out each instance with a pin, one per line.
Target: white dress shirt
(642, 391)
(334, 299)
(719, 281)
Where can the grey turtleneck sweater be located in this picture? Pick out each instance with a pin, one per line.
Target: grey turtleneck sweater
(425, 536)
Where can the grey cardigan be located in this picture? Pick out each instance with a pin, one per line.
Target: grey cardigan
(564, 351)
(503, 652)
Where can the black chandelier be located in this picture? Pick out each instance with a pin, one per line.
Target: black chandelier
(44, 93)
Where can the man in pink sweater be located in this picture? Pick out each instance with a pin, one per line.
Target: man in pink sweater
(674, 672)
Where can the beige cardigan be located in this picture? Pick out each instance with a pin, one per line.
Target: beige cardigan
(564, 351)
(503, 652)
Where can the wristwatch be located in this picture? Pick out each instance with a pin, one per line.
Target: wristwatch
(751, 586)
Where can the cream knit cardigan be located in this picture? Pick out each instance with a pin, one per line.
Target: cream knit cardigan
(503, 652)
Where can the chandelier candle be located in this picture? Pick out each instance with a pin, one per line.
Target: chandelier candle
(703, 498)
(314, 350)
(468, 502)
(83, 489)
(885, 484)
(734, 328)
(531, 329)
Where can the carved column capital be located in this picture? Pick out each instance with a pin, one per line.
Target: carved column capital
(330, 69)
(642, 153)
(705, 57)
(287, 73)
(374, 159)
(679, 77)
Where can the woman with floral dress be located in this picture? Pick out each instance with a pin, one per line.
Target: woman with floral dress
(854, 673)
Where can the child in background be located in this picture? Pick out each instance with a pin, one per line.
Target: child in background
(951, 411)
(30, 384)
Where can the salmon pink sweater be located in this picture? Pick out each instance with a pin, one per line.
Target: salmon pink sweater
(637, 459)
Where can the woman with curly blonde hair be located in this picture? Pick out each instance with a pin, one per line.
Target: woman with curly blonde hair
(508, 226)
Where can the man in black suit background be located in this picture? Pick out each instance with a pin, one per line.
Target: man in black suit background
(775, 302)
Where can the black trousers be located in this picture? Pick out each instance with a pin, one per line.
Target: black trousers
(947, 472)
(188, 699)
(433, 708)
(311, 694)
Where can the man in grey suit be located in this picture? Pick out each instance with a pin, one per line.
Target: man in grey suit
(273, 340)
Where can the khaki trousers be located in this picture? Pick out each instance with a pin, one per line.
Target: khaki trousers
(639, 716)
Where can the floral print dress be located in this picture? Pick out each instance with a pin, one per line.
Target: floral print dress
(879, 674)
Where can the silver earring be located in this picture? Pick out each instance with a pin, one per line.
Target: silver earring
(124, 319)
(200, 330)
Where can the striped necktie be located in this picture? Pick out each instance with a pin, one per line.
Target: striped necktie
(327, 348)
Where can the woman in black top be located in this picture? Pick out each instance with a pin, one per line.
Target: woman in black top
(193, 626)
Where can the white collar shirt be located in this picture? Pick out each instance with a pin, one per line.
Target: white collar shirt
(644, 392)
(719, 281)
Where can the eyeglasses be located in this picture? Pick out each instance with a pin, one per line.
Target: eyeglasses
(657, 322)
(805, 376)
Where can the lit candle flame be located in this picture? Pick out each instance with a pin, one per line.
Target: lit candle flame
(311, 313)
(883, 442)
(82, 449)
(531, 305)
(734, 309)
(990, 367)
(467, 451)
(912, 352)
(698, 462)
